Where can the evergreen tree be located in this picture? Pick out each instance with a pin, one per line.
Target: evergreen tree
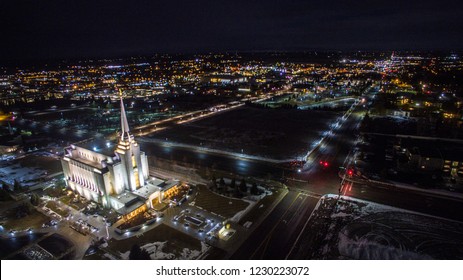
(243, 187)
(254, 189)
(35, 200)
(16, 186)
(213, 185)
(221, 183)
(137, 253)
(233, 184)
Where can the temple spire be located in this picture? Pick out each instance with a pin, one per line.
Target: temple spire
(124, 123)
(10, 130)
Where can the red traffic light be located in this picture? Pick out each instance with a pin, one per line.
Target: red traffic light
(324, 163)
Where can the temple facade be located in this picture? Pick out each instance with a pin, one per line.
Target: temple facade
(115, 176)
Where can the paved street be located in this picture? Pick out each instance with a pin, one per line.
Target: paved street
(279, 229)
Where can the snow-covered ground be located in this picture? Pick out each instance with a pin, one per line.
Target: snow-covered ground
(359, 229)
(157, 252)
(237, 217)
(25, 175)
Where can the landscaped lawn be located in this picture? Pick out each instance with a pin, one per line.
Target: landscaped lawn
(56, 208)
(33, 220)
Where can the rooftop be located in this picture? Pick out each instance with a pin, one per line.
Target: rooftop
(91, 163)
(126, 198)
(128, 209)
(169, 184)
(157, 182)
(148, 189)
(101, 146)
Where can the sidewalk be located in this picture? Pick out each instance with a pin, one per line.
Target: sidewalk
(212, 151)
(406, 187)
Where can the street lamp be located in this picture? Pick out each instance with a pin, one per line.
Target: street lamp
(106, 226)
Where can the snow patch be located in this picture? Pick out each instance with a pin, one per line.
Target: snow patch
(237, 217)
(374, 251)
(110, 257)
(156, 252)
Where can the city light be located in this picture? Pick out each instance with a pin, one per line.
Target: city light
(259, 151)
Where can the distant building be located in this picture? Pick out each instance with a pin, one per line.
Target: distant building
(453, 162)
(426, 159)
(116, 179)
(226, 79)
(8, 148)
(398, 113)
(435, 155)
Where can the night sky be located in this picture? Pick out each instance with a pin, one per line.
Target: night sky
(43, 29)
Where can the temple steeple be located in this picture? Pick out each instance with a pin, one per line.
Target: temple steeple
(125, 135)
(134, 162)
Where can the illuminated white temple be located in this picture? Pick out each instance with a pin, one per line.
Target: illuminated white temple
(115, 177)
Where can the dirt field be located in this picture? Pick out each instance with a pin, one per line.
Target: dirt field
(273, 133)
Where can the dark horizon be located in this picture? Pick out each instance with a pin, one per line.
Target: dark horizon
(37, 62)
(51, 30)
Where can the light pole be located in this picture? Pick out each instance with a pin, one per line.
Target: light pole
(106, 226)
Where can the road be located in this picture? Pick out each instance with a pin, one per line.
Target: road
(280, 229)
(413, 201)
